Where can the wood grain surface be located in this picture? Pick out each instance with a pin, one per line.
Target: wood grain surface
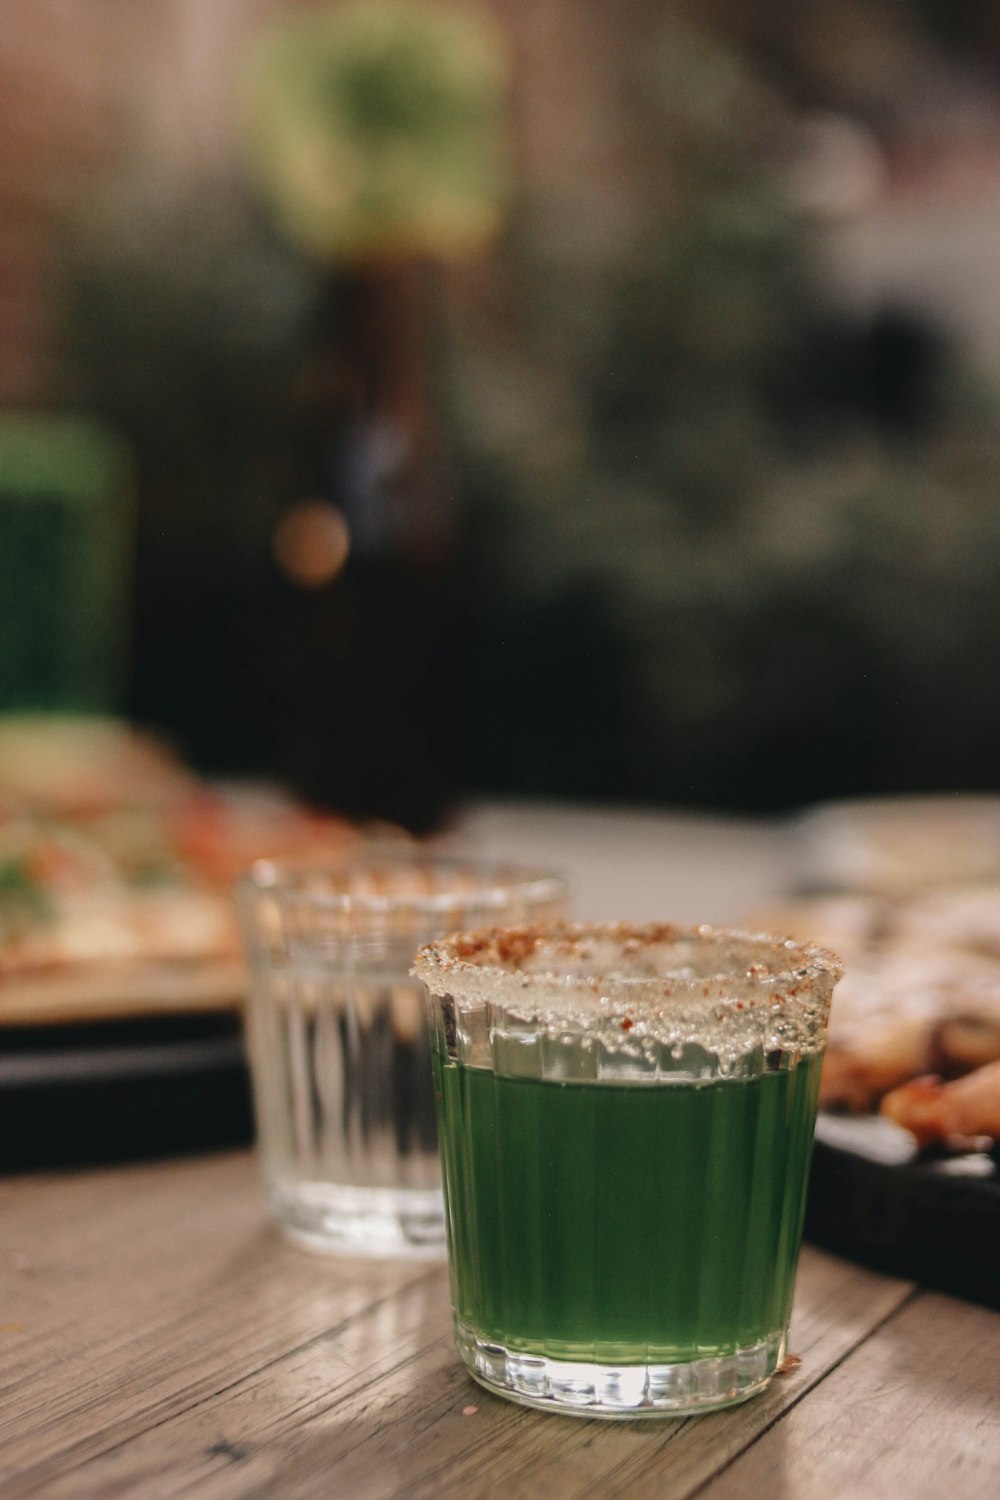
(160, 1339)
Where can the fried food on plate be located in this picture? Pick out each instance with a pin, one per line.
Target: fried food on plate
(967, 1109)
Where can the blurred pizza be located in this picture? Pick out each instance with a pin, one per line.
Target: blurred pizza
(116, 869)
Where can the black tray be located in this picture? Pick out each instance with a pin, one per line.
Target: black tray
(114, 1091)
(875, 1199)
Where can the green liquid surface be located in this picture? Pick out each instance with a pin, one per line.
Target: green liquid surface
(624, 1223)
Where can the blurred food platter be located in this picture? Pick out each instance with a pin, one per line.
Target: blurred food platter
(116, 872)
(121, 981)
(905, 1172)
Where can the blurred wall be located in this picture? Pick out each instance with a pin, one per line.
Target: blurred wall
(694, 465)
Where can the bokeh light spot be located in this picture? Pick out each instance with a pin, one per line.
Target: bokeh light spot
(311, 543)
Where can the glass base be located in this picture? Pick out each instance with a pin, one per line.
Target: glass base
(383, 1222)
(622, 1391)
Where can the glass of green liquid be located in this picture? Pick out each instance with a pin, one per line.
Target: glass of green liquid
(625, 1120)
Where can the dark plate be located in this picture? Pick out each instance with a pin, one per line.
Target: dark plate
(873, 1198)
(112, 1091)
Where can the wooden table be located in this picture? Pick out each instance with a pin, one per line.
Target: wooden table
(159, 1339)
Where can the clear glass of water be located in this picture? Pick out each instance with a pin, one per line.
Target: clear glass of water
(338, 1040)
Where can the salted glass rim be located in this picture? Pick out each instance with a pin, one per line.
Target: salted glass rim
(494, 883)
(488, 963)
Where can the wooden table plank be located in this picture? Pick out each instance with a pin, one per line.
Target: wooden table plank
(207, 1359)
(70, 1245)
(914, 1412)
(171, 1288)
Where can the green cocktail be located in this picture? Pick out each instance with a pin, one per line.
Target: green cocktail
(625, 1121)
(694, 1192)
